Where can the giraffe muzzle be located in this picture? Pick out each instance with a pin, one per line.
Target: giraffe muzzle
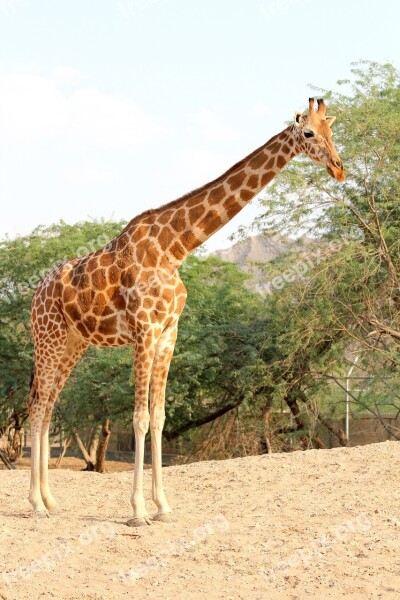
(335, 170)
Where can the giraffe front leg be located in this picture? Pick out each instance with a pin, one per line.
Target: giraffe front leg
(163, 509)
(162, 360)
(142, 366)
(141, 420)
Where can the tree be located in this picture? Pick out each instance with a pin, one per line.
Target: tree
(216, 366)
(341, 294)
(23, 261)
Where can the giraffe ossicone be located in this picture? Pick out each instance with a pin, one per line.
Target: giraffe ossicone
(130, 293)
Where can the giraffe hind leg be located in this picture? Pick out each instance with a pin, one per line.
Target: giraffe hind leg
(74, 349)
(48, 353)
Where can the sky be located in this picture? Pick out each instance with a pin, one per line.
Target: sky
(111, 107)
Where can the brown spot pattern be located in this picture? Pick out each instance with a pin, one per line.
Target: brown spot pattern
(266, 178)
(178, 222)
(195, 213)
(253, 182)
(216, 195)
(210, 222)
(258, 161)
(236, 180)
(189, 240)
(246, 195)
(281, 162)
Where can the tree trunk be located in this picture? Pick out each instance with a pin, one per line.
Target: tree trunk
(89, 463)
(266, 441)
(294, 409)
(319, 443)
(94, 443)
(15, 443)
(15, 436)
(5, 459)
(338, 433)
(305, 440)
(102, 449)
(65, 445)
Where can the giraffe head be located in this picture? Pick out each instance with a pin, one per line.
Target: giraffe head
(314, 135)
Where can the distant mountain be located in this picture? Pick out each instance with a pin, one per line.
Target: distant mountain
(255, 248)
(259, 248)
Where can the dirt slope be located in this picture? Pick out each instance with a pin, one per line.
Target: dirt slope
(317, 524)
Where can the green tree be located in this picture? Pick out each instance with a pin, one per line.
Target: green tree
(23, 261)
(340, 296)
(216, 366)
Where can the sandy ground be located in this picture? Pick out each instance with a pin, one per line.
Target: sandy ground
(77, 464)
(317, 524)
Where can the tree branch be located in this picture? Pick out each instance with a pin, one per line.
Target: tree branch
(171, 435)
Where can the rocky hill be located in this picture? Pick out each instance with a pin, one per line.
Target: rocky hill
(254, 248)
(259, 248)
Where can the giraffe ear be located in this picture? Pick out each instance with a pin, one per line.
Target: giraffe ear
(330, 120)
(297, 118)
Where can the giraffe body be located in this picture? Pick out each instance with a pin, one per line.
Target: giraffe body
(130, 293)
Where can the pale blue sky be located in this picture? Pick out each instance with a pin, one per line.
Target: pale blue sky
(110, 107)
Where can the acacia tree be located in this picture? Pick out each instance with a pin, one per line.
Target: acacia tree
(98, 393)
(340, 296)
(23, 261)
(216, 366)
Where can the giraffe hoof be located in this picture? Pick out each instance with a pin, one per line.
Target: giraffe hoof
(41, 514)
(164, 518)
(139, 521)
(54, 510)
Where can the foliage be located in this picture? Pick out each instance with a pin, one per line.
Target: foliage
(216, 363)
(23, 261)
(340, 296)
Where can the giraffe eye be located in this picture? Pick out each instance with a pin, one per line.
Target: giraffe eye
(308, 133)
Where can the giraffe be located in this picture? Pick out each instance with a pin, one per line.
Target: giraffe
(130, 293)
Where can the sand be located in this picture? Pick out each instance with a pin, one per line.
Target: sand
(316, 524)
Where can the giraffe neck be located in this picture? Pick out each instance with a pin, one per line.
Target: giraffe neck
(176, 229)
